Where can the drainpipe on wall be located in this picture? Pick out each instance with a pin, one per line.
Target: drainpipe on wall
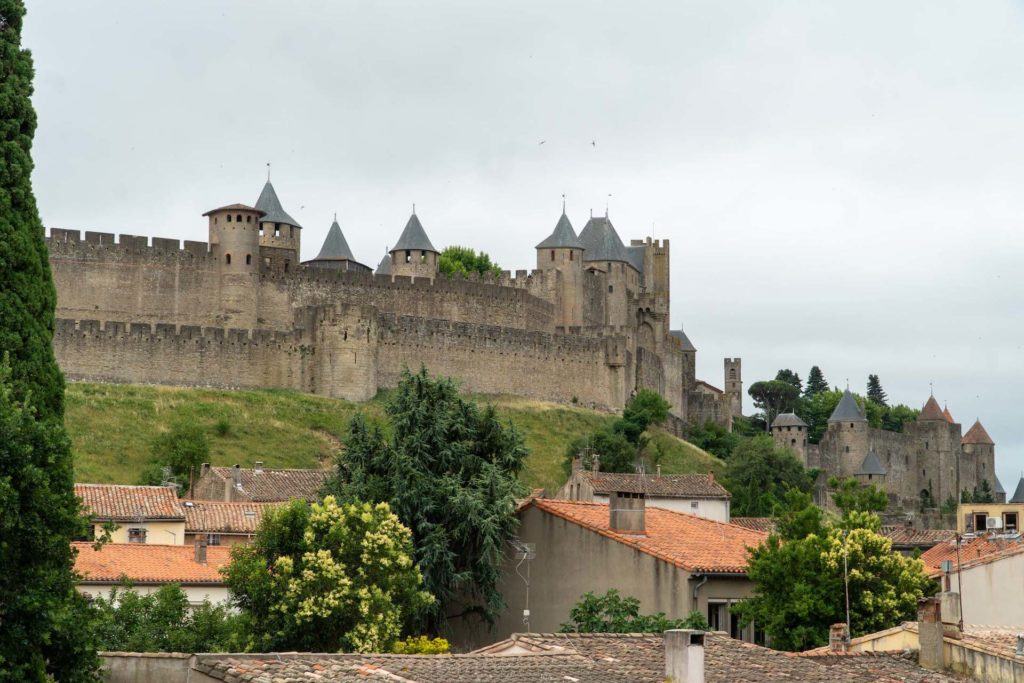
(696, 588)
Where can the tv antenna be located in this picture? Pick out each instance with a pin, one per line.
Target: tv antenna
(524, 552)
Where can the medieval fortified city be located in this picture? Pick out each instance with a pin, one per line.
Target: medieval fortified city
(244, 441)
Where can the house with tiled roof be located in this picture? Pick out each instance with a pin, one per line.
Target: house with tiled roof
(671, 562)
(679, 656)
(907, 540)
(148, 567)
(694, 494)
(140, 514)
(222, 523)
(258, 484)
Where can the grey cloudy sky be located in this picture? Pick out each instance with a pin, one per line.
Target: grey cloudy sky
(840, 181)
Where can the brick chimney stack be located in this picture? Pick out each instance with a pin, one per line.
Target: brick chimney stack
(684, 656)
(200, 555)
(838, 638)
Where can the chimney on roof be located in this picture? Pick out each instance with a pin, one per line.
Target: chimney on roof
(577, 464)
(595, 463)
(200, 555)
(626, 512)
(204, 468)
(838, 638)
(949, 610)
(236, 475)
(929, 634)
(684, 656)
(258, 468)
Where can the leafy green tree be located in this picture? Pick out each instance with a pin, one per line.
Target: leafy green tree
(614, 452)
(896, 416)
(949, 506)
(759, 474)
(799, 581)
(182, 449)
(791, 377)
(713, 438)
(644, 409)
(41, 627)
(773, 397)
(850, 495)
(449, 470)
(983, 493)
(326, 578)
(163, 621)
(421, 645)
(875, 391)
(462, 261)
(815, 382)
(612, 613)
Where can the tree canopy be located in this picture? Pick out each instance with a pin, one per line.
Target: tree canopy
(875, 391)
(326, 578)
(449, 470)
(759, 474)
(181, 450)
(619, 445)
(815, 382)
(774, 397)
(787, 375)
(612, 613)
(462, 261)
(798, 577)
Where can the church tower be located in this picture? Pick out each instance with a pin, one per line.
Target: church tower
(560, 256)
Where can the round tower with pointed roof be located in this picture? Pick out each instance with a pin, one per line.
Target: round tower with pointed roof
(560, 256)
(278, 230)
(235, 243)
(414, 255)
(980, 447)
(847, 435)
(789, 431)
(335, 253)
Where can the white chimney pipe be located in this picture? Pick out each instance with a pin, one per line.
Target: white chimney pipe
(684, 656)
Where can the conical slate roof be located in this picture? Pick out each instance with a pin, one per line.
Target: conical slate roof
(847, 410)
(636, 257)
(384, 267)
(788, 420)
(269, 203)
(681, 336)
(931, 410)
(563, 237)
(601, 241)
(871, 465)
(414, 237)
(997, 487)
(977, 434)
(335, 247)
(1018, 494)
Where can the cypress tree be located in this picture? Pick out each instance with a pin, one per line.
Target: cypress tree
(43, 624)
(816, 383)
(875, 391)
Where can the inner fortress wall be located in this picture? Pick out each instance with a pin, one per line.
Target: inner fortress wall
(129, 280)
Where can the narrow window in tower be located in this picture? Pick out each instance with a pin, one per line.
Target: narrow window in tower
(238, 218)
(227, 259)
(248, 259)
(291, 231)
(847, 449)
(792, 442)
(570, 253)
(408, 256)
(851, 424)
(610, 289)
(215, 220)
(248, 219)
(552, 254)
(286, 266)
(261, 229)
(277, 229)
(423, 257)
(229, 218)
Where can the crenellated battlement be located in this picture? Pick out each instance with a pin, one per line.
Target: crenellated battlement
(174, 334)
(62, 242)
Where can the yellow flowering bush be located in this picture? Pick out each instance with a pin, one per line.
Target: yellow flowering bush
(327, 577)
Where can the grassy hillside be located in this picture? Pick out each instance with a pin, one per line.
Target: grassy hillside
(112, 426)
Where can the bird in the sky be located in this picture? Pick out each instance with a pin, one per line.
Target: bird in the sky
(593, 143)
(541, 143)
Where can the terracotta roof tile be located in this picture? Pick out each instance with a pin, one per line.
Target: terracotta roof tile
(711, 387)
(973, 551)
(690, 542)
(665, 485)
(948, 415)
(277, 485)
(932, 411)
(918, 538)
(223, 518)
(977, 434)
(765, 524)
(129, 503)
(149, 563)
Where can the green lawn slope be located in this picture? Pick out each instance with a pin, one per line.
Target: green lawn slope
(111, 428)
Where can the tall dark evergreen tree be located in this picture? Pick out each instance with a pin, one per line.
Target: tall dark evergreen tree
(816, 383)
(42, 630)
(787, 375)
(875, 391)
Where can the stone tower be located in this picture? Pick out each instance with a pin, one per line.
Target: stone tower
(733, 384)
(605, 252)
(847, 436)
(562, 253)
(235, 243)
(979, 444)
(789, 431)
(939, 462)
(278, 230)
(335, 253)
(413, 255)
(689, 360)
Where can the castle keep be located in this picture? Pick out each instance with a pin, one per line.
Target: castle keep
(929, 459)
(590, 324)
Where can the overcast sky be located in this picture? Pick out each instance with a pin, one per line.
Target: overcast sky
(840, 181)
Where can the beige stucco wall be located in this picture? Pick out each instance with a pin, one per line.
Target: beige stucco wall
(571, 561)
(990, 509)
(717, 510)
(160, 533)
(195, 594)
(992, 593)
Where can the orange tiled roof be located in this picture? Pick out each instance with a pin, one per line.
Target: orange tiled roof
(149, 563)
(128, 503)
(765, 524)
(973, 551)
(660, 485)
(907, 536)
(977, 434)
(948, 415)
(276, 485)
(223, 518)
(689, 542)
